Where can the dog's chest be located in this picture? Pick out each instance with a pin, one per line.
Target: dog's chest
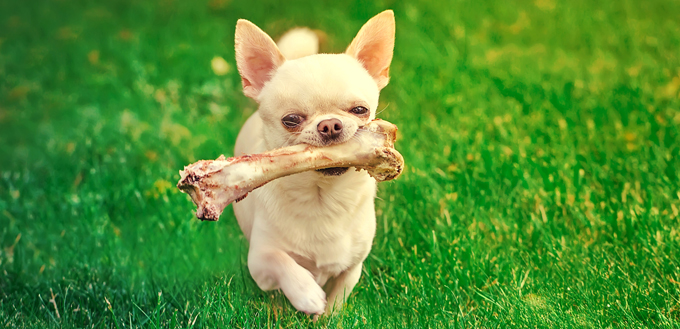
(331, 225)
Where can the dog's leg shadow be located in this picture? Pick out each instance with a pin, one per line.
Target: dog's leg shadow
(339, 288)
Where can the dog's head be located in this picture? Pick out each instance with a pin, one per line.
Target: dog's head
(320, 99)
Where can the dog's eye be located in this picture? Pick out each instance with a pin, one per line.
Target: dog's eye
(359, 110)
(292, 120)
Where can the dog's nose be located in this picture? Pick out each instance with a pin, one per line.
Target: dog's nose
(330, 128)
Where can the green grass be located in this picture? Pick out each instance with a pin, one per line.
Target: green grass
(542, 141)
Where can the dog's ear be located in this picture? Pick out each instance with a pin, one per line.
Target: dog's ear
(257, 57)
(373, 46)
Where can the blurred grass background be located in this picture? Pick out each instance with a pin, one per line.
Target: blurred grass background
(541, 139)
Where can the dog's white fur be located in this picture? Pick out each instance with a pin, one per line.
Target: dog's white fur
(310, 233)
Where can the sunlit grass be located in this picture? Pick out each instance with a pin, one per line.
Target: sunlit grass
(541, 140)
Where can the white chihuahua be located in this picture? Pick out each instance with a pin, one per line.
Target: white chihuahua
(309, 233)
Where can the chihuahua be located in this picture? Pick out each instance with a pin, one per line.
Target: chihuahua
(309, 233)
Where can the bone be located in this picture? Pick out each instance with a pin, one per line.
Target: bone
(214, 184)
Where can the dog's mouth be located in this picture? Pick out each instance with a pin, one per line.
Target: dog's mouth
(334, 171)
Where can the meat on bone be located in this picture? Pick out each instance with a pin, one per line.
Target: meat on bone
(214, 184)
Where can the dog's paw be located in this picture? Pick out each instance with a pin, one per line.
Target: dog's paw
(310, 299)
(305, 294)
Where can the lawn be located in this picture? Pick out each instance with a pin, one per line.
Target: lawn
(541, 138)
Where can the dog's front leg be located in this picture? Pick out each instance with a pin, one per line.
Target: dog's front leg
(339, 288)
(273, 269)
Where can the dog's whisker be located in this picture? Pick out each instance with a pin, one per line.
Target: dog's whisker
(293, 135)
(383, 110)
